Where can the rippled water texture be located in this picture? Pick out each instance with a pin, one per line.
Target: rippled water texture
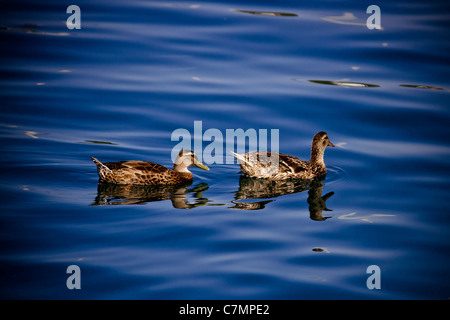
(137, 70)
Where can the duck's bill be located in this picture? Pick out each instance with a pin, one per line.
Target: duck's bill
(330, 144)
(202, 166)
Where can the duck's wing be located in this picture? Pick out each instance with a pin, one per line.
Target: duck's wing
(291, 165)
(144, 167)
(261, 164)
(256, 164)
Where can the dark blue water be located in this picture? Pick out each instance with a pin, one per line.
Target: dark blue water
(137, 70)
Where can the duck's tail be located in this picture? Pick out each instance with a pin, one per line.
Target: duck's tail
(101, 168)
(240, 157)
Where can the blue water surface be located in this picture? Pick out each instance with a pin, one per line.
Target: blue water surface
(137, 70)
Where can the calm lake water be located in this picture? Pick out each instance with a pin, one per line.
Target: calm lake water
(137, 70)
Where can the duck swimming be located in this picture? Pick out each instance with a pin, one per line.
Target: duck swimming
(258, 163)
(135, 172)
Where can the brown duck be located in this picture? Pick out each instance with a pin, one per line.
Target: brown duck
(259, 164)
(135, 172)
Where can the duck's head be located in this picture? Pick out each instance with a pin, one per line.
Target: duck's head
(321, 139)
(319, 144)
(186, 159)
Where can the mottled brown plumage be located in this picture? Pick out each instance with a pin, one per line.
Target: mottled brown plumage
(277, 166)
(135, 172)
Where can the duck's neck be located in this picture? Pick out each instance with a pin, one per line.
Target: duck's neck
(182, 170)
(317, 156)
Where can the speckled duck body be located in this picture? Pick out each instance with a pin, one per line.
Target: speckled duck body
(134, 172)
(277, 166)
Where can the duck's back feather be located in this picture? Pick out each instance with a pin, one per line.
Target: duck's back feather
(142, 166)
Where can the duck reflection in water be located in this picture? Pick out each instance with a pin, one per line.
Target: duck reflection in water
(113, 194)
(256, 188)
